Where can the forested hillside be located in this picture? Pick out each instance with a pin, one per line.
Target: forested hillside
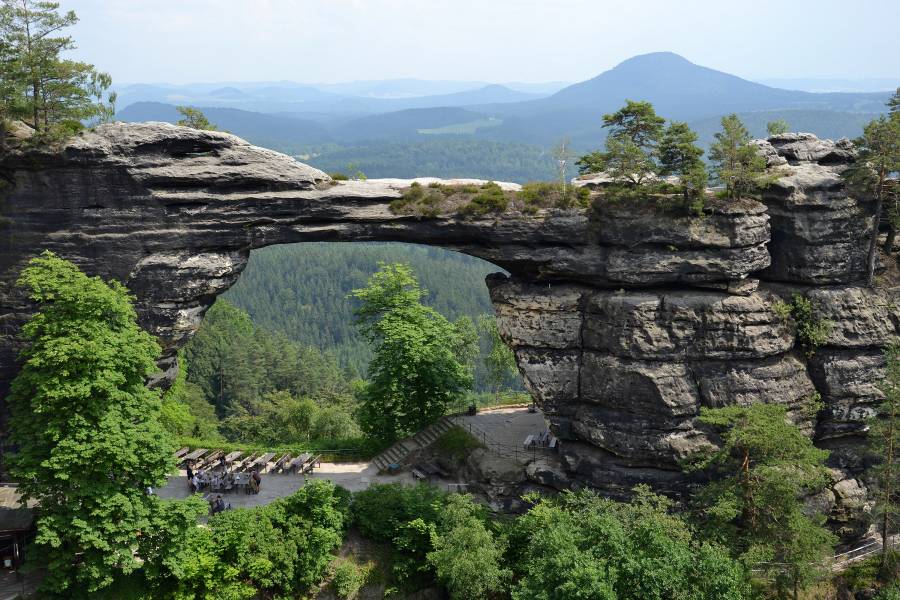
(447, 156)
(301, 290)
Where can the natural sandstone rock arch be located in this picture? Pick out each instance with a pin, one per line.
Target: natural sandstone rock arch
(625, 322)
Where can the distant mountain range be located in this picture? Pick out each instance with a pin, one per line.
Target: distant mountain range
(295, 117)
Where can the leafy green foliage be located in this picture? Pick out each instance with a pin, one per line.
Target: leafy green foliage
(87, 428)
(282, 548)
(238, 366)
(812, 330)
(302, 291)
(499, 362)
(194, 118)
(348, 579)
(53, 94)
(777, 127)
(735, 162)
(456, 443)
(467, 556)
(489, 199)
(405, 517)
(580, 546)
(417, 369)
(541, 194)
(763, 469)
(884, 438)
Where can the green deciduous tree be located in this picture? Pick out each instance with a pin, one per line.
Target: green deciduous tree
(467, 556)
(194, 118)
(878, 156)
(580, 546)
(763, 469)
(735, 162)
(777, 127)
(416, 371)
(87, 428)
(680, 156)
(884, 436)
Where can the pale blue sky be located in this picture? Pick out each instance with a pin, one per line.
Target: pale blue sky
(182, 41)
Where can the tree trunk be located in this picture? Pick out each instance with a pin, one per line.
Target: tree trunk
(888, 487)
(873, 241)
(891, 237)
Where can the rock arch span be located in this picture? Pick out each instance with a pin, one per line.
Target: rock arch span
(625, 321)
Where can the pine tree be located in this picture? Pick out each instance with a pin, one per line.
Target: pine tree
(194, 118)
(878, 155)
(777, 127)
(680, 156)
(634, 133)
(735, 162)
(763, 469)
(59, 93)
(884, 434)
(87, 427)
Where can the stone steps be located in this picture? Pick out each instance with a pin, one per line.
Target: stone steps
(397, 453)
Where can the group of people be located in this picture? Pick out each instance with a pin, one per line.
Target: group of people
(219, 480)
(218, 505)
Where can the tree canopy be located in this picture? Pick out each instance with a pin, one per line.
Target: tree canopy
(87, 427)
(735, 162)
(51, 93)
(417, 370)
(763, 469)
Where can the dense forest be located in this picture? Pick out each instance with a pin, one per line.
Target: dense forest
(302, 291)
(455, 157)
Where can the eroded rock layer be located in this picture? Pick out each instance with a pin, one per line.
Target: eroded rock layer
(625, 320)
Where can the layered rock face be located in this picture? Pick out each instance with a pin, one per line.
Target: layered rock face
(625, 320)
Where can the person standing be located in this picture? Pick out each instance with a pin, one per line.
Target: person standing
(190, 477)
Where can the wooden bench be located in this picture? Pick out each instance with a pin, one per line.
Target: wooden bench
(209, 461)
(417, 474)
(181, 452)
(297, 463)
(233, 456)
(192, 456)
(281, 463)
(261, 462)
(245, 462)
(312, 463)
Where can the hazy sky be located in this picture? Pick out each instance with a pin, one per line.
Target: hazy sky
(181, 41)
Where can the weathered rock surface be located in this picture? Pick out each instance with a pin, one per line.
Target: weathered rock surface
(818, 230)
(625, 321)
(174, 212)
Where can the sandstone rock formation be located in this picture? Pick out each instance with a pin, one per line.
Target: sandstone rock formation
(625, 321)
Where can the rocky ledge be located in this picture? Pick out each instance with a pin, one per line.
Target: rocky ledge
(625, 320)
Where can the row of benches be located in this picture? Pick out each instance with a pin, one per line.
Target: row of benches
(202, 458)
(541, 440)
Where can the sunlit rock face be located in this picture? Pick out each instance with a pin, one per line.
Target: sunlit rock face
(626, 320)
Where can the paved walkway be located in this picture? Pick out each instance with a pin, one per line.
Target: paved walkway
(504, 430)
(352, 476)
